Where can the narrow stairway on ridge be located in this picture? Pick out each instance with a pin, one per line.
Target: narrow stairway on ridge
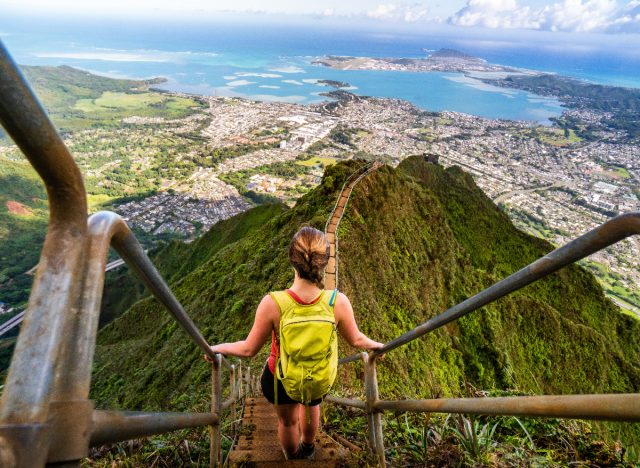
(331, 228)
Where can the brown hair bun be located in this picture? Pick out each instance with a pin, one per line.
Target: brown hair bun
(309, 254)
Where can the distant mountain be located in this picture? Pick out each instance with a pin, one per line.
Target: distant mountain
(437, 240)
(451, 53)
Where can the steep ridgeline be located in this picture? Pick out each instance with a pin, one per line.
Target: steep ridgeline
(414, 241)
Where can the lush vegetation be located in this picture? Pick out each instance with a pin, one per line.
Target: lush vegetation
(438, 239)
(344, 135)
(283, 170)
(119, 164)
(622, 103)
(23, 221)
(435, 440)
(76, 99)
(316, 161)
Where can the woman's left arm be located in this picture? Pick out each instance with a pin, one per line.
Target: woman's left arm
(262, 326)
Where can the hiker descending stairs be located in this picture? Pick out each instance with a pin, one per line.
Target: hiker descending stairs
(258, 443)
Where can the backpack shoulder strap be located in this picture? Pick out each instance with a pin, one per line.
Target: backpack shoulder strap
(285, 303)
(283, 300)
(328, 301)
(332, 299)
(329, 298)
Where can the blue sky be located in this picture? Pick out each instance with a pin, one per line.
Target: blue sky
(579, 16)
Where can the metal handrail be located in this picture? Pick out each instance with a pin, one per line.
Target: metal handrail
(613, 407)
(114, 231)
(45, 413)
(27, 391)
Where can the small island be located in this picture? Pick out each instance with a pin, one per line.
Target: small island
(334, 84)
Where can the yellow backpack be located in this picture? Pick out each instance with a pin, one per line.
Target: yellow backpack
(308, 360)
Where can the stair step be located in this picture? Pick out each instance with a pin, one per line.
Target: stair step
(274, 454)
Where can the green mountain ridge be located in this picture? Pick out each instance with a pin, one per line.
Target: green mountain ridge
(414, 241)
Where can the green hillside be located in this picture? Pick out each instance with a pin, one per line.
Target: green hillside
(414, 241)
(23, 223)
(78, 103)
(76, 99)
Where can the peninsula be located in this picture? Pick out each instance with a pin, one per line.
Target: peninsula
(444, 60)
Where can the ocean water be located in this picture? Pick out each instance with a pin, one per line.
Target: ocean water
(274, 62)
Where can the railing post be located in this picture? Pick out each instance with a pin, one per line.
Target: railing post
(374, 417)
(245, 382)
(216, 408)
(233, 384)
(254, 385)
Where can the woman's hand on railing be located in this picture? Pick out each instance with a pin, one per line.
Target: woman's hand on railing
(375, 345)
(215, 349)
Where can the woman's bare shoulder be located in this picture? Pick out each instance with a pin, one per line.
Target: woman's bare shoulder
(342, 299)
(342, 307)
(268, 303)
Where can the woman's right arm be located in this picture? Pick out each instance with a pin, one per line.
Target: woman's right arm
(263, 324)
(348, 327)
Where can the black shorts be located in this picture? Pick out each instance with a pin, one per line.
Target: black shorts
(266, 382)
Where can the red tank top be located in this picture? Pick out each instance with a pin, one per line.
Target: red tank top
(275, 340)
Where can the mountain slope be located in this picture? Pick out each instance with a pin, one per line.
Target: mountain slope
(23, 223)
(414, 241)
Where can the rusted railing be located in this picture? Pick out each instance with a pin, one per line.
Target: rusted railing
(45, 413)
(618, 407)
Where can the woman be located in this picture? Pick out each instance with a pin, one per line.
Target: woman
(308, 254)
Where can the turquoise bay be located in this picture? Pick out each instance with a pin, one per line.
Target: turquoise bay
(271, 65)
(296, 80)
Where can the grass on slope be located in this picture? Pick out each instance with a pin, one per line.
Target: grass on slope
(437, 240)
(115, 105)
(23, 222)
(177, 259)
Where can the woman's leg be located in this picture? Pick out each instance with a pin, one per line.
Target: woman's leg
(288, 427)
(309, 417)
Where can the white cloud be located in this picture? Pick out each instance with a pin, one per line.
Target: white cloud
(385, 11)
(629, 18)
(239, 83)
(568, 15)
(103, 56)
(402, 12)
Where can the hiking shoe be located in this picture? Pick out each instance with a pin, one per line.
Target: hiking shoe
(295, 456)
(307, 451)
